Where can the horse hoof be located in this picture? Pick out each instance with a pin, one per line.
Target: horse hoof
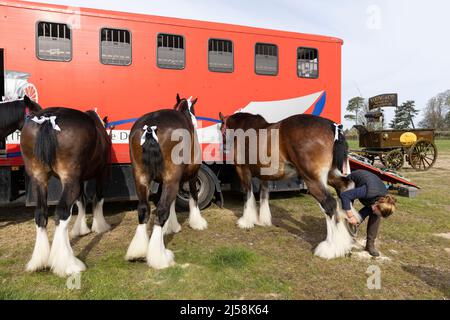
(68, 268)
(139, 245)
(244, 224)
(172, 229)
(162, 260)
(264, 223)
(198, 224)
(79, 233)
(101, 228)
(36, 265)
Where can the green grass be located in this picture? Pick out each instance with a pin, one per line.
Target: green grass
(225, 262)
(232, 258)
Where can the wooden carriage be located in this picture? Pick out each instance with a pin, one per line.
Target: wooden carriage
(394, 147)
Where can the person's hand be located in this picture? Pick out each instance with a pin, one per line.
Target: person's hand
(352, 220)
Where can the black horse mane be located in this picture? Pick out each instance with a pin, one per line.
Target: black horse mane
(11, 112)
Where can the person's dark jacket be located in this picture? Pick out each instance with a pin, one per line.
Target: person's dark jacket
(368, 189)
(374, 186)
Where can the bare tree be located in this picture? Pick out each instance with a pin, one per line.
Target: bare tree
(436, 111)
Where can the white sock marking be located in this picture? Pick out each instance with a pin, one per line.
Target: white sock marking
(172, 225)
(158, 256)
(196, 221)
(80, 228)
(338, 243)
(139, 245)
(41, 252)
(99, 225)
(265, 217)
(62, 260)
(250, 216)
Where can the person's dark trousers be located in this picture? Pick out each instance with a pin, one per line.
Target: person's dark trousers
(373, 225)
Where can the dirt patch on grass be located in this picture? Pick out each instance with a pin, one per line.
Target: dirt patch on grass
(443, 235)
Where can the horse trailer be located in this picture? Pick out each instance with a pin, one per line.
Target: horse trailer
(126, 65)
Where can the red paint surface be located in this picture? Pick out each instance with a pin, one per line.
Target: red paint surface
(129, 92)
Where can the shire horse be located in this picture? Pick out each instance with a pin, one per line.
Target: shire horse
(13, 114)
(152, 146)
(310, 147)
(75, 147)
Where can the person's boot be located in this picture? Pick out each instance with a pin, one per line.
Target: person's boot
(372, 231)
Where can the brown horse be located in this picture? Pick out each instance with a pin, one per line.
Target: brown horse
(154, 140)
(75, 147)
(309, 147)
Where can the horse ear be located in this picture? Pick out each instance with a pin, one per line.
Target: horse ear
(193, 102)
(105, 120)
(178, 98)
(33, 106)
(221, 117)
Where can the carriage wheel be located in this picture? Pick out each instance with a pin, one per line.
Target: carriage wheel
(205, 187)
(423, 155)
(30, 90)
(394, 160)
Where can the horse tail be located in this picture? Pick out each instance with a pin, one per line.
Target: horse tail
(340, 148)
(46, 144)
(152, 157)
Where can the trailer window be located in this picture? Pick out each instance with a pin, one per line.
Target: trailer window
(308, 63)
(220, 55)
(266, 59)
(171, 53)
(115, 47)
(54, 41)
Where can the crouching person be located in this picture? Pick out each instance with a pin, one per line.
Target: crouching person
(372, 193)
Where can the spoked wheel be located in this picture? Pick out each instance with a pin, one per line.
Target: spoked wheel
(30, 90)
(422, 155)
(205, 187)
(394, 160)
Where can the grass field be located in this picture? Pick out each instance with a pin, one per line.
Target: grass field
(225, 262)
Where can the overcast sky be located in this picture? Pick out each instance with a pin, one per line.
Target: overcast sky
(390, 45)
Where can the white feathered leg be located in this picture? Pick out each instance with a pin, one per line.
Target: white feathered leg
(338, 243)
(265, 217)
(196, 221)
(250, 216)
(172, 225)
(62, 260)
(139, 245)
(80, 227)
(41, 252)
(99, 225)
(158, 256)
